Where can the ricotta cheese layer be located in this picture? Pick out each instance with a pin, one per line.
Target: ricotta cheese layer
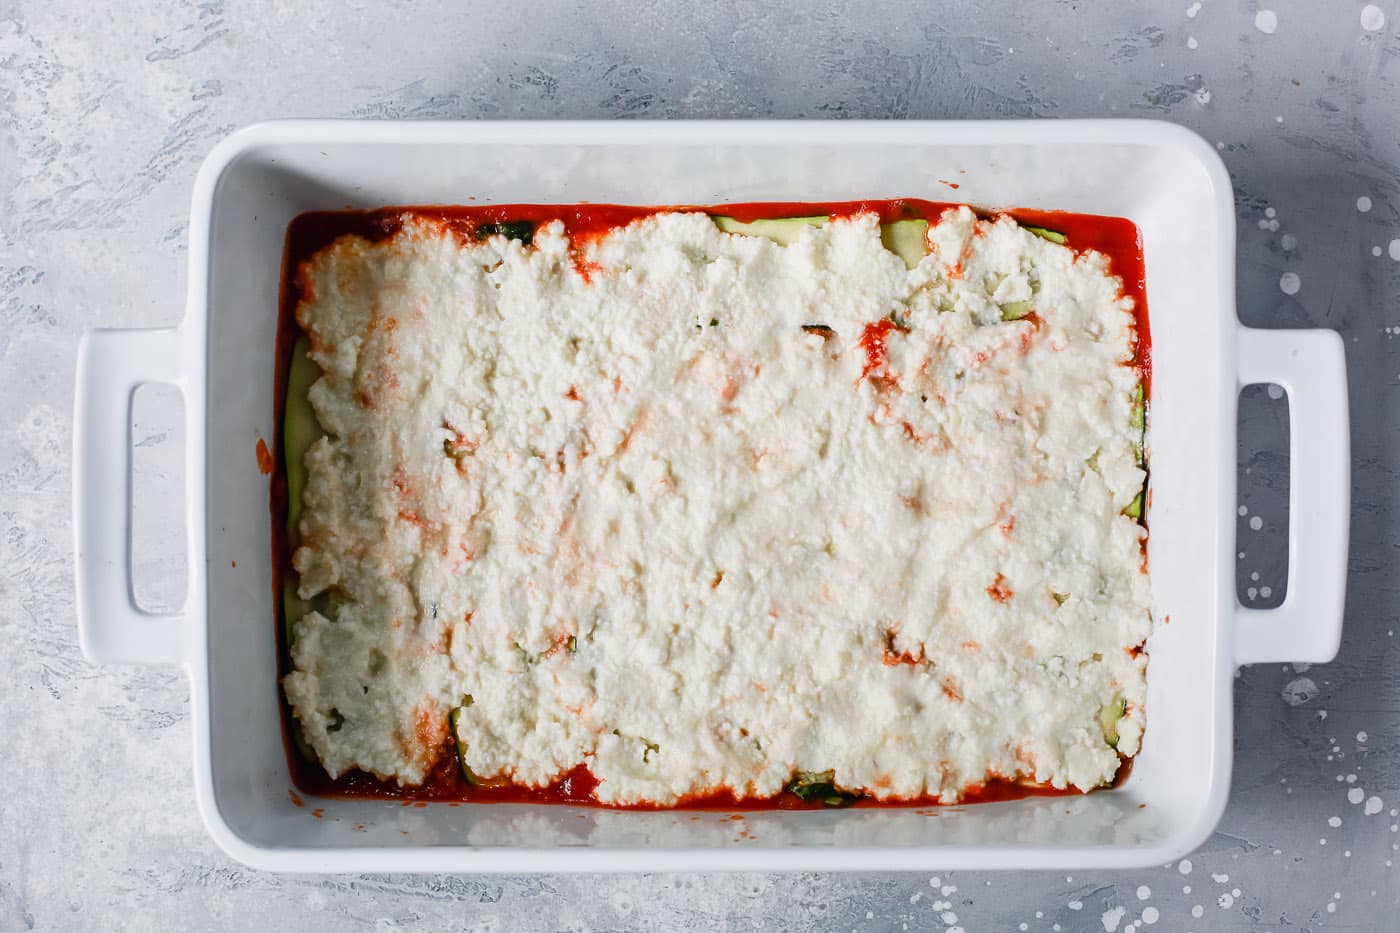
(700, 511)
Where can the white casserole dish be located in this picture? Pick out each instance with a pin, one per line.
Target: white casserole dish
(1163, 177)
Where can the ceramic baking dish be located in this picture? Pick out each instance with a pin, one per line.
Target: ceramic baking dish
(221, 357)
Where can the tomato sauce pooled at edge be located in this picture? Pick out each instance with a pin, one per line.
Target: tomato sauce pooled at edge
(1116, 238)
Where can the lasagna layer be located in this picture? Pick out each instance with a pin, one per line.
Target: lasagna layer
(701, 511)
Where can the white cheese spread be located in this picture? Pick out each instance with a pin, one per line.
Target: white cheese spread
(700, 511)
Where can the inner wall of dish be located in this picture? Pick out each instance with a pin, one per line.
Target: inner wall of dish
(1166, 193)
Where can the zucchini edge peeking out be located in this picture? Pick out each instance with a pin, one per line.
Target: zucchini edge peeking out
(1015, 310)
(1109, 714)
(1138, 422)
(907, 239)
(819, 785)
(522, 230)
(300, 429)
(461, 747)
(784, 231)
(1054, 236)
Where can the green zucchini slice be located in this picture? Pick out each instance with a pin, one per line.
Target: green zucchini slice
(1109, 714)
(294, 609)
(522, 230)
(453, 718)
(1139, 424)
(300, 429)
(1015, 310)
(784, 231)
(1054, 236)
(907, 239)
(819, 785)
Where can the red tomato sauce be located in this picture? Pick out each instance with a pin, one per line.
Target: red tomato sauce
(1116, 238)
(445, 784)
(873, 341)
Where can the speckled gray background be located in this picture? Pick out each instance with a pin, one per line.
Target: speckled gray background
(105, 111)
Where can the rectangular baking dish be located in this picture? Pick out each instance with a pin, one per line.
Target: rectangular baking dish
(1163, 177)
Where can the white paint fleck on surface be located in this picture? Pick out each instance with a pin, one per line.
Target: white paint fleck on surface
(1075, 905)
(1288, 242)
(1363, 204)
(1191, 42)
(1372, 18)
(1298, 691)
(1184, 866)
(1255, 522)
(1112, 917)
(1361, 737)
(1373, 805)
(1334, 821)
(1197, 911)
(1150, 915)
(1394, 249)
(1143, 892)
(1355, 795)
(1266, 21)
(1192, 10)
(1225, 901)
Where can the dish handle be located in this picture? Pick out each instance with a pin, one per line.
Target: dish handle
(1310, 366)
(112, 628)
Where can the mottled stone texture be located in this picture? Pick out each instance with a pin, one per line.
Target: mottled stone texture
(105, 111)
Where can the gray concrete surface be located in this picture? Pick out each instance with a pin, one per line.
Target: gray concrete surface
(105, 111)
